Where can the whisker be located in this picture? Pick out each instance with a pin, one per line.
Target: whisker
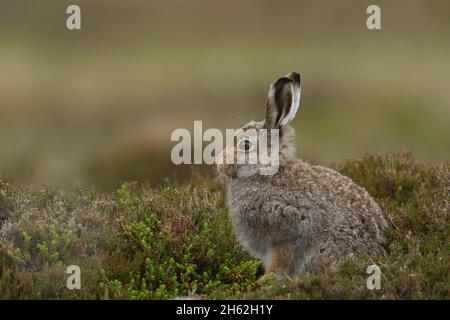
(241, 119)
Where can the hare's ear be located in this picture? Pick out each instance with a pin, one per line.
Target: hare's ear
(283, 101)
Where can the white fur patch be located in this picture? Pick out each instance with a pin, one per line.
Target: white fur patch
(295, 91)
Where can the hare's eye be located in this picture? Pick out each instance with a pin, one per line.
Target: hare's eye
(245, 145)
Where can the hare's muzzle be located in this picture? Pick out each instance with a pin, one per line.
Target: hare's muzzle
(223, 167)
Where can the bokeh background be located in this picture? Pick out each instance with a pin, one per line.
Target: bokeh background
(98, 105)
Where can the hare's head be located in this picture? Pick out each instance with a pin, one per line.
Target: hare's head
(261, 147)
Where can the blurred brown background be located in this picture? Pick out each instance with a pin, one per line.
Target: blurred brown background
(99, 105)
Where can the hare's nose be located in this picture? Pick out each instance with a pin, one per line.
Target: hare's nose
(225, 168)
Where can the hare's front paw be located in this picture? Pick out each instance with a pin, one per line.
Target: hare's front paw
(267, 278)
(281, 266)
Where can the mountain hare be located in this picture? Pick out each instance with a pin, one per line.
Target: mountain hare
(303, 216)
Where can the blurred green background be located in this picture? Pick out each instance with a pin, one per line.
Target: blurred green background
(98, 105)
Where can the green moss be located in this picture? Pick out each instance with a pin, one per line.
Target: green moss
(144, 243)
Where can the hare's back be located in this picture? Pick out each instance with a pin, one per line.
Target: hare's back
(353, 200)
(342, 199)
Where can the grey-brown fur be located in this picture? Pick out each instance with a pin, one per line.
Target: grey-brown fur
(304, 215)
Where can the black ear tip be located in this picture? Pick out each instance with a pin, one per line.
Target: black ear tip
(294, 76)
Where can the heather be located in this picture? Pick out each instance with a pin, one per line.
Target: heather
(141, 242)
